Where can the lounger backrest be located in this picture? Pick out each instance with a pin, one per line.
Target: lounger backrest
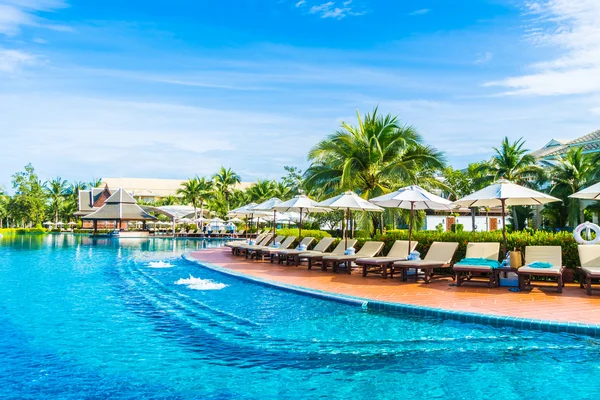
(307, 241)
(324, 244)
(341, 247)
(370, 249)
(287, 242)
(489, 250)
(441, 251)
(589, 255)
(549, 254)
(266, 239)
(278, 239)
(400, 248)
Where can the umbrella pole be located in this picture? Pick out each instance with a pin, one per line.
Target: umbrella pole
(410, 225)
(347, 223)
(344, 228)
(300, 225)
(274, 224)
(503, 201)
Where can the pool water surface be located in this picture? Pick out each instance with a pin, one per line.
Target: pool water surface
(83, 318)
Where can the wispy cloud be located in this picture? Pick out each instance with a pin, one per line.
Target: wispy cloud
(484, 58)
(300, 3)
(14, 14)
(570, 27)
(335, 9)
(12, 61)
(421, 11)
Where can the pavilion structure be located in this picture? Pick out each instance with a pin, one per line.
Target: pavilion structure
(121, 208)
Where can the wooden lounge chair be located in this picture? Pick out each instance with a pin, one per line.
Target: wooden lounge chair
(589, 255)
(247, 250)
(369, 249)
(270, 251)
(264, 240)
(237, 243)
(182, 232)
(293, 256)
(281, 254)
(316, 256)
(439, 256)
(543, 254)
(380, 265)
(488, 251)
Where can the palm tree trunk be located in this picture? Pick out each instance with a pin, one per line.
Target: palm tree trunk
(581, 212)
(515, 219)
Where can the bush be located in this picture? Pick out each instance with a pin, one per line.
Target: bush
(8, 231)
(457, 228)
(34, 231)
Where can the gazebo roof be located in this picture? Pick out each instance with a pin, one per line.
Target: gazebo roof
(120, 206)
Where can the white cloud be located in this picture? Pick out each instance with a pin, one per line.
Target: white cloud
(300, 3)
(421, 11)
(332, 10)
(14, 14)
(484, 58)
(571, 28)
(12, 61)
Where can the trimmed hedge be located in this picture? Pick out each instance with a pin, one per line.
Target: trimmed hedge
(8, 231)
(317, 234)
(35, 231)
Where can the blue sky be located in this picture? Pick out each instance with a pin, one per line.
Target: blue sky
(173, 89)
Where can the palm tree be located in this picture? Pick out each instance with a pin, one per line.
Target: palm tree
(169, 201)
(205, 191)
(283, 191)
(372, 158)
(94, 183)
(224, 180)
(511, 162)
(261, 190)
(571, 173)
(57, 191)
(191, 192)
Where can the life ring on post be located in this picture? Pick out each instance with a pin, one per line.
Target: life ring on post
(587, 226)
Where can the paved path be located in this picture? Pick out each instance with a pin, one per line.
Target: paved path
(573, 305)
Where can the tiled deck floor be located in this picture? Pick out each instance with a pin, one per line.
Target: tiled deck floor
(571, 306)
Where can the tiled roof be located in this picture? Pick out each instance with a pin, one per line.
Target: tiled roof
(590, 144)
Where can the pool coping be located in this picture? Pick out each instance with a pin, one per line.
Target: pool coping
(578, 328)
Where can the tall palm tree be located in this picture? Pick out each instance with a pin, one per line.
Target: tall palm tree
(94, 183)
(225, 180)
(571, 173)
(191, 192)
(372, 158)
(169, 201)
(205, 190)
(57, 190)
(511, 162)
(261, 190)
(283, 191)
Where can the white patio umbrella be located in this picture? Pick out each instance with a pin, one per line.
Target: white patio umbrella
(72, 223)
(269, 205)
(349, 201)
(235, 220)
(48, 223)
(300, 203)
(590, 193)
(412, 198)
(504, 193)
(185, 221)
(59, 223)
(247, 212)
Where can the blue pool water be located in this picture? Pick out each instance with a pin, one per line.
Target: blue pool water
(82, 318)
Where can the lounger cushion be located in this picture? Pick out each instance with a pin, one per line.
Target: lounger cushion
(420, 264)
(540, 271)
(340, 258)
(482, 268)
(378, 260)
(592, 271)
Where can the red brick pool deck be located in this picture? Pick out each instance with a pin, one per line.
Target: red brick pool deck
(573, 305)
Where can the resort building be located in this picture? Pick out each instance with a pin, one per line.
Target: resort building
(556, 147)
(150, 189)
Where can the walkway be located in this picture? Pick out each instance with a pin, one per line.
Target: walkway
(571, 306)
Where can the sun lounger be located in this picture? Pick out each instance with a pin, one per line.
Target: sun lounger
(369, 249)
(281, 255)
(293, 256)
(248, 250)
(439, 256)
(316, 256)
(550, 256)
(480, 258)
(589, 256)
(380, 265)
(263, 241)
(271, 250)
(238, 243)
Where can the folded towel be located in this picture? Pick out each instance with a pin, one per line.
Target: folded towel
(484, 262)
(302, 247)
(540, 264)
(414, 255)
(349, 251)
(276, 245)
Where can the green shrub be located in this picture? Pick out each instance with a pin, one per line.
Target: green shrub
(439, 228)
(34, 231)
(8, 231)
(317, 234)
(457, 228)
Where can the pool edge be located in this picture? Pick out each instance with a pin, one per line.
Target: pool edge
(409, 309)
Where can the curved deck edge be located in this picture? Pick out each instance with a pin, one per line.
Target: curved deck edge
(409, 309)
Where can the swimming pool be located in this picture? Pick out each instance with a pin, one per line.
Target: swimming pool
(130, 319)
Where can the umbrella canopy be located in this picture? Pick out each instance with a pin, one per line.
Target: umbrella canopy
(185, 221)
(300, 203)
(349, 201)
(235, 220)
(269, 205)
(590, 193)
(504, 193)
(216, 219)
(72, 223)
(247, 211)
(48, 223)
(59, 223)
(412, 198)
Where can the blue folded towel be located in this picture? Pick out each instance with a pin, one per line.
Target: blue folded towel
(540, 264)
(484, 262)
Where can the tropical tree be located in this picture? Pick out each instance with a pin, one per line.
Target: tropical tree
(57, 191)
(4, 199)
(225, 180)
(94, 183)
(29, 201)
(191, 193)
(205, 190)
(293, 179)
(262, 190)
(169, 201)
(372, 158)
(283, 191)
(513, 162)
(571, 173)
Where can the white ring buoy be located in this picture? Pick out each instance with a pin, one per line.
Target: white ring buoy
(588, 226)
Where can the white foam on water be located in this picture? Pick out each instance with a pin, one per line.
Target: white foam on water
(160, 264)
(200, 284)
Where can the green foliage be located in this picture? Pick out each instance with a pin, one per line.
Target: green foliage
(261, 190)
(34, 231)
(439, 228)
(293, 179)
(317, 234)
(224, 181)
(29, 202)
(457, 228)
(8, 231)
